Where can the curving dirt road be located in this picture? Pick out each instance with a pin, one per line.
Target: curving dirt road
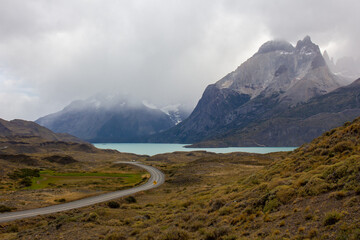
(156, 179)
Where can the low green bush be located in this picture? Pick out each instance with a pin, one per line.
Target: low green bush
(24, 172)
(130, 199)
(113, 204)
(331, 218)
(26, 182)
(4, 208)
(271, 205)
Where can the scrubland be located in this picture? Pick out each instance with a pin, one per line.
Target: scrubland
(310, 193)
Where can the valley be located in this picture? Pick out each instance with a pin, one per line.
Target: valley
(62, 183)
(179, 120)
(310, 193)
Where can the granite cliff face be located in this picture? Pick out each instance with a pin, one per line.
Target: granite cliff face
(112, 119)
(297, 125)
(295, 73)
(277, 78)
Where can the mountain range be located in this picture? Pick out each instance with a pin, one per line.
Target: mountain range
(113, 119)
(283, 95)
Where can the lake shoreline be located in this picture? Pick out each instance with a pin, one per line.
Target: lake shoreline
(160, 148)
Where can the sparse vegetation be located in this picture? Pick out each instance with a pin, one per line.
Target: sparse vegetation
(312, 192)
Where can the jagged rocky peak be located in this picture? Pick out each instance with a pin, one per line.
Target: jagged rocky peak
(296, 73)
(276, 45)
(306, 44)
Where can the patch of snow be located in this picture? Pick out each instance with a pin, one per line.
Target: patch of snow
(173, 112)
(170, 108)
(226, 84)
(285, 53)
(149, 105)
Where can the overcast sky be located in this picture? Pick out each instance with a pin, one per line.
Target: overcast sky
(162, 51)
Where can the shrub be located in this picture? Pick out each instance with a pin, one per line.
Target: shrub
(315, 186)
(343, 146)
(115, 236)
(309, 216)
(174, 233)
(216, 233)
(225, 211)
(357, 190)
(130, 199)
(331, 218)
(196, 225)
(113, 204)
(93, 217)
(4, 208)
(301, 229)
(338, 195)
(12, 228)
(285, 193)
(351, 202)
(271, 205)
(26, 182)
(313, 233)
(24, 172)
(216, 205)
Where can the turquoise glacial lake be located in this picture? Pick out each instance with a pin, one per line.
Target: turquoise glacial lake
(158, 148)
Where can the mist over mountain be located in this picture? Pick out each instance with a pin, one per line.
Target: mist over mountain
(345, 67)
(113, 118)
(277, 78)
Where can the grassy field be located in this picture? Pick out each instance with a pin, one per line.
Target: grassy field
(99, 180)
(63, 177)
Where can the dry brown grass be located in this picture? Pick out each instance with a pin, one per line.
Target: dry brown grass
(310, 193)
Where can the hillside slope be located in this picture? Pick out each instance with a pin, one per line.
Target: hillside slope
(27, 129)
(297, 125)
(22, 137)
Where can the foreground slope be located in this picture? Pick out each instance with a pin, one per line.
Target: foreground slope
(310, 193)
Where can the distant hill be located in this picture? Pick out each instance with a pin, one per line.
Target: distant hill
(22, 137)
(263, 102)
(26, 129)
(112, 119)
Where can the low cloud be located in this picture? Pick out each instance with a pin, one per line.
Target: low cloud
(165, 52)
